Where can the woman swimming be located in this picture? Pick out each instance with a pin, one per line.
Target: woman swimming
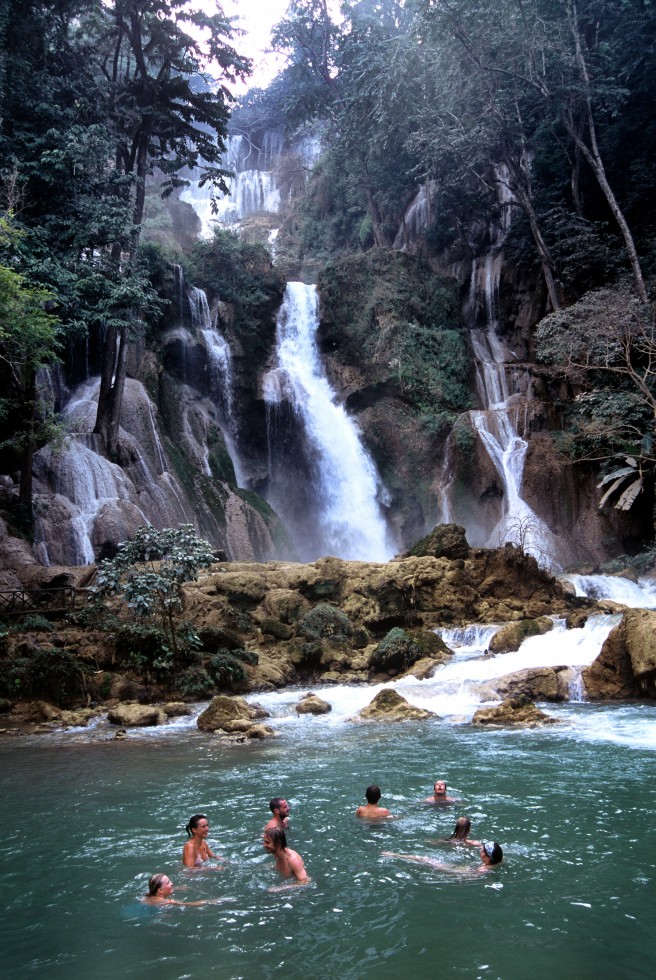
(491, 856)
(460, 833)
(196, 851)
(160, 889)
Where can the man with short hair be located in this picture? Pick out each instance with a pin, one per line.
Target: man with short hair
(371, 811)
(280, 809)
(289, 863)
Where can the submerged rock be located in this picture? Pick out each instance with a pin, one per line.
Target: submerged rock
(516, 711)
(389, 705)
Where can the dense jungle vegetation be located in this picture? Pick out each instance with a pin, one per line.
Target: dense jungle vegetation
(102, 101)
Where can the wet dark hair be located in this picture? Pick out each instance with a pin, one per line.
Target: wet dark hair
(461, 829)
(494, 852)
(277, 837)
(155, 883)
(372, 793)
(193, 823)
(275, 803)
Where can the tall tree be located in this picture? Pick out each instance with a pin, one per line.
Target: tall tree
(165, 116)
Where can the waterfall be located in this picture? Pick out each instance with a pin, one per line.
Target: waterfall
(323, 482)
(219, 359)
(504, 392)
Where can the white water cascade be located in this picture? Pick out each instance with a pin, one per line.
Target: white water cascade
(252, 190)
(464, 684)
(324, 484)
(504, 392)
(219, 359)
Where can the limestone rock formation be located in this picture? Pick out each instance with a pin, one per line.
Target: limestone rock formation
(626, 665)
(511, 637)
(537, 684)
(515, 712)
(444, 541)
(311, 704)
(389, 705)
(223, 709)
(130, 715)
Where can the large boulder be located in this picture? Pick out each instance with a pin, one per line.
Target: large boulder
(222, 710)
(310, 704)
(389, 705)
(135, 715)
(626, 666)
(444, 541)
(511, 636)
(536, 683)
(515, 712)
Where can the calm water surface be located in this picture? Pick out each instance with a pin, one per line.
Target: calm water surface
(86, 823)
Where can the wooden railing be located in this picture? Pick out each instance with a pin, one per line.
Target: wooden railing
(21, 602)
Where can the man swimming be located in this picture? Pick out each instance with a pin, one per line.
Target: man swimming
(371, 810)
(280, 809)
(288, 862)
(439, 794)
(490, 852)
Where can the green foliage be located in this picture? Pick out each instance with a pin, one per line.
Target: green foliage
(55, 675)
(194, 682)
(241, 274)
(324, 622)
(145, 649)
(35, 624)
(148, 573)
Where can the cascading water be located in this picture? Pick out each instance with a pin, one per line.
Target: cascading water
(503, 392)
(220, 372)
(323, 483)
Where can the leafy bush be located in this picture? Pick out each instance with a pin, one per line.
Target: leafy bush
(325, 622)
(54, 675)
(227, 666)
(195, 682)
(145, 649)
(34, 624)
(148, 574)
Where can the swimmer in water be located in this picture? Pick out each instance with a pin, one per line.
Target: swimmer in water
(197, 851)
(460, 833)
(280, 809)
(371, 810)
(439, 794)
(491, 856)
(160, 889)
(288, 862)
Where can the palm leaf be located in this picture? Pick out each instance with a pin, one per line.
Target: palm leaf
(611, 489)
(629, 495)
(617, 475)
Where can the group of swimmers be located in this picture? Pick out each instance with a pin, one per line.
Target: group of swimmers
(196, 852)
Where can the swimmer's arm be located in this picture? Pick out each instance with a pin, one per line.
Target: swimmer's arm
(211, 854)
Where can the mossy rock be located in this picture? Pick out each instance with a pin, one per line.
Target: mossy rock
(325, 622)
(391, 706)
(397, 651)
(444, 541)
(214, 637)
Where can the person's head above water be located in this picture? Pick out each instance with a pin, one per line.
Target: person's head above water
(274, 839)
(461, 829)
(372, 793)
(280, 804)
(491, 853)
(439, 787)
(197, 824)
(160, 884)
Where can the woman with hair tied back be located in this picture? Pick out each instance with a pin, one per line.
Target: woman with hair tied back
(197, 851)
(160, 889)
